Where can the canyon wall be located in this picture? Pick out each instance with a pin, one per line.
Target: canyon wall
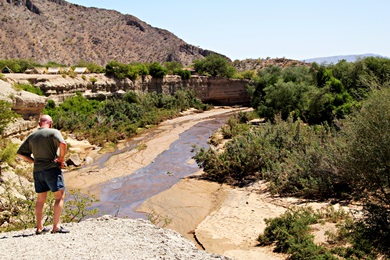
(211, 90)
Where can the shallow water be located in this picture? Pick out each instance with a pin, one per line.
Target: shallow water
(123, 195)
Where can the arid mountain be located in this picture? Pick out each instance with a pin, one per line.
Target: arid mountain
(55, 30)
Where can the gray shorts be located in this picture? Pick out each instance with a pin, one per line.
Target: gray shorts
(50, 179)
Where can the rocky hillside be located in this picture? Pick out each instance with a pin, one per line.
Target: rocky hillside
(256, 64)
(55, 30)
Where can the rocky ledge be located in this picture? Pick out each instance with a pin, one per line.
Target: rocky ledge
(106, 237)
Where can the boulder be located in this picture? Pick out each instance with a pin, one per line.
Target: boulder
(74, 159)
(28, 105)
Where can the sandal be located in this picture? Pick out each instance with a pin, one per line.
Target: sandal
(43, 231)
(60, 230)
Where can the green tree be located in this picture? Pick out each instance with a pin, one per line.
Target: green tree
(365, 160)
(54, 64)
(184, 74)
(214, 65)
(171, 66)
(367, 155)
(116, 69)
(140, 68)
(156, 70)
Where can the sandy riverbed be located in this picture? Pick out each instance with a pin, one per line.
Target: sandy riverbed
(219, 218)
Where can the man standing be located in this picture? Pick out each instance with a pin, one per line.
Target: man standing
(41, 148)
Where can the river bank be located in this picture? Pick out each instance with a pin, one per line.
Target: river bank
(217, 218)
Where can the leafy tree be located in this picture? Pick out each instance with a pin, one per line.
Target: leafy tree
(248, 74)
(184, 74)
(54, 64)
(367, 155)
(116, 69)
(214, 65)
(313, 94)
(266, 77)
(156, 70)
(17, 65)
(140, 68)
(131, 71)
(284, 98)
(173, 66)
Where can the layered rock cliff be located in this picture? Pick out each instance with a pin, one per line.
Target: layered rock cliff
(216, 91)
(219, 91)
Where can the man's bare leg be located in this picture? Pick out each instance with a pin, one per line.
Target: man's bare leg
(58, 205)
(39, 205)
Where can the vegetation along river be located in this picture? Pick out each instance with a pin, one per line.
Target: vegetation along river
(121, 196)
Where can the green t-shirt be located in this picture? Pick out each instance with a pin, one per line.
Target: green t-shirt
(43, 144)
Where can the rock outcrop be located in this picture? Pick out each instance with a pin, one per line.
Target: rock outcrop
(28, 105)
(213, 90)
(219, 91)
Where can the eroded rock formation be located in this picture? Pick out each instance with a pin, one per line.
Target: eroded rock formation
(217, 91)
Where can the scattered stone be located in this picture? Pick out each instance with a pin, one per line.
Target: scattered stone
(74, 159)
(88, 160)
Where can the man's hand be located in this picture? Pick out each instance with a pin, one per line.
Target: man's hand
(61, 162)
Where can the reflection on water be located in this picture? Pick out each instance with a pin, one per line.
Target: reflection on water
(123, 195)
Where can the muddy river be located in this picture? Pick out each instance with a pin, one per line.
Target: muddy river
(123, 195)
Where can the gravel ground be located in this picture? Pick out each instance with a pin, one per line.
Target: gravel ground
(102, 238)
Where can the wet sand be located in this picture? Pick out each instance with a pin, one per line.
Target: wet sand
(217, 218)
(88, 178)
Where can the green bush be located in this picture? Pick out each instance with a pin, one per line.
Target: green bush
(366, 156)
(293, 156)
(115, 119)
(173, 66)
(214, 65)
(320, 93)
(291, 234)
(7, 151)
(92, 67)
(6, 115)
(93, 80)
(184, 74)
(17, 65)
(17, 211)
(156, 70)
(29, 87)
(234, 126)
(121, 71)
(364, 160)
(78, 207)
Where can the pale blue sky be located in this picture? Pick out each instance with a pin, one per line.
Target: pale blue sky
(294, 29)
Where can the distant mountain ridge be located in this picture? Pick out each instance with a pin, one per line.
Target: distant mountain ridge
(336, 59)
(58, 31)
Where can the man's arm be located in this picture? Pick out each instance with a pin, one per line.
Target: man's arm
(61, 158)
(26, 158)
